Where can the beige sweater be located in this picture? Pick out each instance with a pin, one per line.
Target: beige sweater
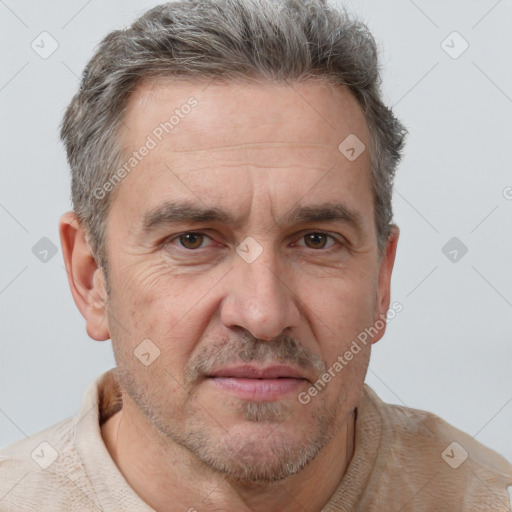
(404, 460)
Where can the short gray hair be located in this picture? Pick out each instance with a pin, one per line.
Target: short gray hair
(271, 40)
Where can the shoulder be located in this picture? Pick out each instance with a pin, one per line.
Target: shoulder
(435, 463)
(44, 472)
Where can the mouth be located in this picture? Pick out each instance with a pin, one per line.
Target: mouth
(258, 384)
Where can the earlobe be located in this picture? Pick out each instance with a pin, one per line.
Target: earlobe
(384, 283)
(85, 277)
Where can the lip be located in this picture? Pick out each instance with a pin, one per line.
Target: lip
(258, 384)
(248, 371)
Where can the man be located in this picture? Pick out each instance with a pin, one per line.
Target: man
(232, 166)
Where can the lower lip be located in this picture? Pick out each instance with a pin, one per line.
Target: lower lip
(263, 390)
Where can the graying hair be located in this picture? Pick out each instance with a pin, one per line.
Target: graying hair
(225, 40)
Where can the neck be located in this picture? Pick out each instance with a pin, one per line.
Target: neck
(162, 472)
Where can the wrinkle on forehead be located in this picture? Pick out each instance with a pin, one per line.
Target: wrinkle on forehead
(320, 157)
(256, 146)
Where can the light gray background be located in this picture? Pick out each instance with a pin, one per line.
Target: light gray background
(449, 351)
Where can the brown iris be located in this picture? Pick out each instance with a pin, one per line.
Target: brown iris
(317, 240)
(191, 240)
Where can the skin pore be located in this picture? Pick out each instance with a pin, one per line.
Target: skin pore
(249, 160)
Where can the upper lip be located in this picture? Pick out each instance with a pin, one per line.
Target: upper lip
(255, 372)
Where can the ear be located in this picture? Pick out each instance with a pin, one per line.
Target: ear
(387, 261)
(86, 279)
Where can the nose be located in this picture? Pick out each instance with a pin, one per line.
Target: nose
(260, 298)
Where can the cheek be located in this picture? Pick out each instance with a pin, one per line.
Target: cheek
(150, 296)
(171, 311)
(340, 309)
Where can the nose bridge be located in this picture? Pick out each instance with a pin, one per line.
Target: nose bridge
(258, 298)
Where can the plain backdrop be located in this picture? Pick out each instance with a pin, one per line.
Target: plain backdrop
(449, 351)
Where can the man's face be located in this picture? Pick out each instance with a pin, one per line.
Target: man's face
(251, 301)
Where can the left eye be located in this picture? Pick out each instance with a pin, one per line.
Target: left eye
(316, 240)
(192, 240)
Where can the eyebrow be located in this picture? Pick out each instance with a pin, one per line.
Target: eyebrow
(326, 212)
(175, 212)
(178, 212)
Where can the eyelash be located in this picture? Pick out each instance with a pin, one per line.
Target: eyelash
(327, 249)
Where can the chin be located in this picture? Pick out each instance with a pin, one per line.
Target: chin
(254, 463)
(262, 452)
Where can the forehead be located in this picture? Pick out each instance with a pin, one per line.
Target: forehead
(205, 135)
(204, 116)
